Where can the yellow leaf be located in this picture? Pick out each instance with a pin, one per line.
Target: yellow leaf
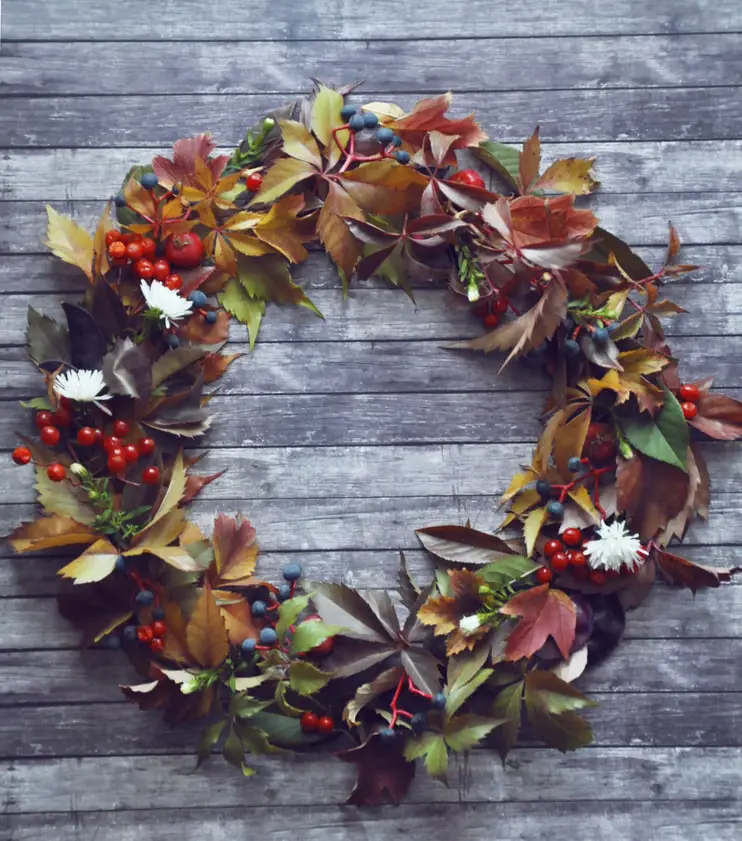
(62, 498)
(243, 221)
(168, 528)
(542, 455)
(525, 500)
(642, 361)
(206, 634)
(203, 176)
(279, 228)
(570, 439)
(517, 483)
(581, 496)
(569, 175)
(175, 556)
(285, 174)
(249, 245)
(386, 110)
(326, 117)
(50, 533)
(191, 534)
(224, 255)
(139, 199)
(298, 142)
(609, 382)
(175, 490)
(100, 250)
(532, 528)
(68, 241)
(399, 188)
(95, 563)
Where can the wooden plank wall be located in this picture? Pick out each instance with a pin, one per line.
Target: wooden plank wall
(343, 435)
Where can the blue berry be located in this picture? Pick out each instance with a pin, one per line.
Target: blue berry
(158, 613)
(601, 336)
(198, 298)
(259, 608)
(130, 632)
(175, 190)
(574, 465)
(388, 735)
(347, 111)
(396, 140)
(356, 122)
(173, 340)
(120, 200)
(248, 646)
(284, 592)
(268, 636)
(210, 317)
(419, 722)
(402, 156)
(145, 598)
(555, 510)
(543, 488)
(120, 563)
(571, 348)
(113, 642)
(292, 572)
(370, 120)
(438, 701)
(385, 136)
(149, 180)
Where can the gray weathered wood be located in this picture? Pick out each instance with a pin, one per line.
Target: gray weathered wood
(55, 20)
(564, 115)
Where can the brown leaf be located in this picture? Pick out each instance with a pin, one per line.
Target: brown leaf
(176, 643)
(673, 244)
(569, 440)
(429, 115)
(463, 545)
(206, 634)
(239, 621)
(697, 499)
(334, 233)
(650, 492)
(382, 771)
(235, 549)
(719, 417)
(546, 613)
(50, 533)
(529, 161)
(681, 571)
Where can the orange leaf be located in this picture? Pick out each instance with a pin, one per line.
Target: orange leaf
(546, 613)
(235, 548)
(206, 634)
(215, 364)
(335, 235)
(50, 533)
(429, 115)
(530, 161)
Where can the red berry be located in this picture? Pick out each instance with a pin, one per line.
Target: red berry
(326, 724)
(117, 452)
(87, 436)
(128, 237)
(116, 463)
(470, 177)
(110, 442)
(253, 182)
(121, 428)
(577, 559)
(572, 537)
(146, 446)
(552, 546)
(112, 236)
(134, 251)
(500, 305)
(690, 410)
(491, 320)
(56, 472)
(161, 269)
(151, 475)
(157, 645)
(309, 722)
(559, 561)
(184, 250)
(597, 577)
(145, 633)
(600, 442)
(173, 281)
(62, 417)
(149, 246)
(117, 250)
(159, 628)
(689, 393)
(50, 436)
(131, 453)
(144, 268)
(43, 419)
(21, 455)
(544, 575)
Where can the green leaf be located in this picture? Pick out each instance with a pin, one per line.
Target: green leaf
(311, 634)
(243, 706)
(62, 498)
(210, 735)
(503, 572)
(233, 750)
(461, 693)
(463, 667)
(549, 693)
(46, 339)
(508, 706)
(284, 706)
(269, 278)
(665, 437)
(37, 403)
(433, 747)
(306, 679)
(246, 309)
(503, 159)
(283, 730)
(550, 704)
(465, 731)
(288, 613)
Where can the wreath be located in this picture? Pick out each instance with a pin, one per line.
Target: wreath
(487, 649)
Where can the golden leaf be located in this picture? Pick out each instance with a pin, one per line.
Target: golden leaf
(95, 563)
(642, 361)
(175, 490)
(298, 142)
(529, 161)
(68, 241)
(532, 528)
(139, 199)
(570, 439)
(285, 174)
(581, 496)
(325, 118)
(517, 483)
(569, 175)
(50, 533)
(206, 634)
(100, 250)
(280, 228)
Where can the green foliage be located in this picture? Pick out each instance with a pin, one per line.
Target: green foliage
(664, 437)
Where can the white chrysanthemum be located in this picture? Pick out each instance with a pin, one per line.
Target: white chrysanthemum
(469, 624)
(84, 386)
(614, 548)
(167, 302)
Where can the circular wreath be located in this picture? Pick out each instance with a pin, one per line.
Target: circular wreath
(491, 644)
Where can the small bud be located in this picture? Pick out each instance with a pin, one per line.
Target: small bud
(469, 624)
(484, 590)
(546, 277)
(268, 123)
(472, 292)
(188, 687)
(79, 470)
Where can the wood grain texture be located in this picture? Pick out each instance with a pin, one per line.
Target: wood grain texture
(704, 113)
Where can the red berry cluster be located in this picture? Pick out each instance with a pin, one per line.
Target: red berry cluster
(312, 723)
(689, 394)
(153, 635)
(139, 252)
(563, 554)
(492, 309)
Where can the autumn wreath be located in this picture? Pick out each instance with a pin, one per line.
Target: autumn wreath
(490, 646)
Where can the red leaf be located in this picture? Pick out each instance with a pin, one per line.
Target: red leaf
(196, 481)
(530, 161)
(546, 613)
(429, 115)
(381, 770)
(681, 571)
(719, 417)
(182, 168)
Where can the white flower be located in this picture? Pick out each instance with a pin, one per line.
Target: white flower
(472, 292)
(469, 624)
(614, 548)
(167, 302)
(79, 469)
(84, 386)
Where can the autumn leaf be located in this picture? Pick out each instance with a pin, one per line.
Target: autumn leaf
(62, 498)
(532, 527)
(68, 241)
(340, 244)
(569, 175)
(367, 692)
(551, 704)
(651, 493)
(283, 176)
(246, 309)
(530, 161)
(283, 230)
(429, 115)
(181, 169)
(175, 489)
(235, 549)
(269, 278)
(545, 612)
(569, 440)
(381, 772)
(688, 574)
(51, 533)
(696, 501)
(719, 417)
(463, 545)
(205, 633)
(95, 563)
